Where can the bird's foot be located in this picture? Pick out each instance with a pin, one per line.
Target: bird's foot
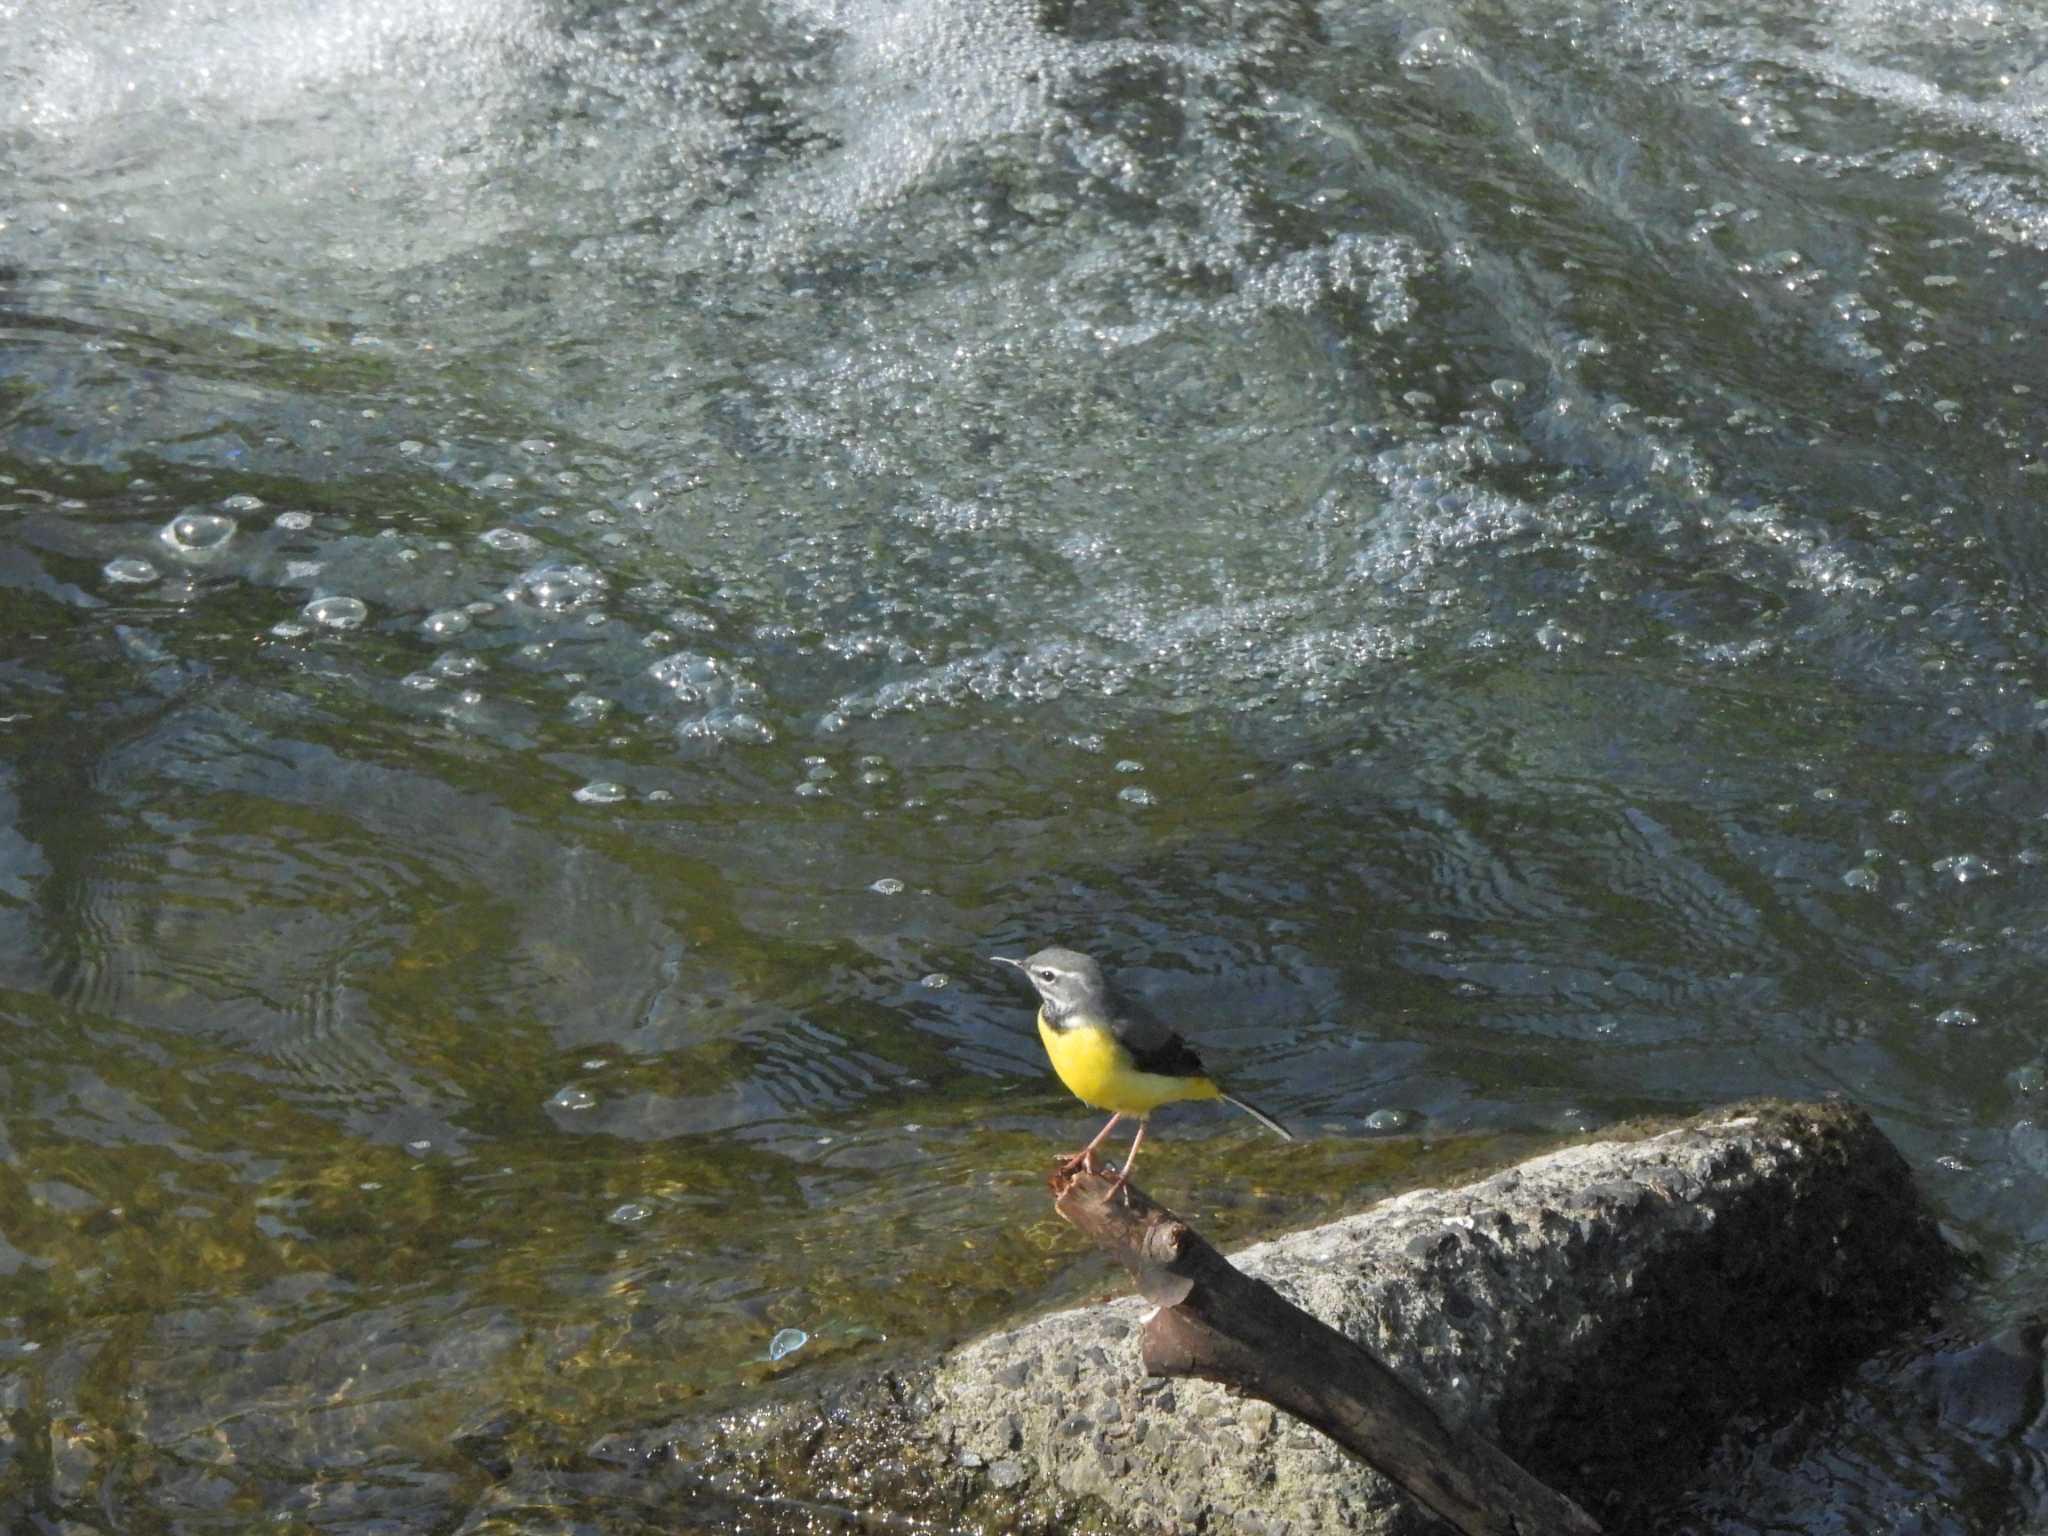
(1111, 1193)
(1081, 1162)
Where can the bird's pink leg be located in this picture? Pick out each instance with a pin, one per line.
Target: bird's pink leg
(1131, 1157)
(1080, 1158)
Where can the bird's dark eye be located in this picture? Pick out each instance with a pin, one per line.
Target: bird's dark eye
(1047, 975)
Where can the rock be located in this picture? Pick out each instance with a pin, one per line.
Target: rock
(1602, 1312)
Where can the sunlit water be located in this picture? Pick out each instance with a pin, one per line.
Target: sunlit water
(571, 572)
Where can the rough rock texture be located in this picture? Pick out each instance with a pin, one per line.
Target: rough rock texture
(1600, 1311)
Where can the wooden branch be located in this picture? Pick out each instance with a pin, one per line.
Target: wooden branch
(1212, 1320)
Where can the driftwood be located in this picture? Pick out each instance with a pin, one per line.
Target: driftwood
(1210, 1319)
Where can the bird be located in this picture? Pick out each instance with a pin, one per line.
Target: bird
(1114, 1055)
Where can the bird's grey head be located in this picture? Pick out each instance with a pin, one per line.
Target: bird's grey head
(1067, 981)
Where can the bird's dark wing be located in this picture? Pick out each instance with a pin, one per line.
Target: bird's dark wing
(1155, 1045)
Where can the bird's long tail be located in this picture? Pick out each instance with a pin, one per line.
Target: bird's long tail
(1261, 1116)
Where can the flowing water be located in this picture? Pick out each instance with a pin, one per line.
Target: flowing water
(571, 570)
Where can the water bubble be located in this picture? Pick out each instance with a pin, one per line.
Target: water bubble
(419, 682)
(1428, 49)
(1964, 868)
(1130, 765)
(689, 618)
(456, 664)
(337, 612)
(573, 1098)
(811, 791)
(444, 623)
(1137, 794)
(1955, 1018)
(887, 886)
(2030, 1146)
(1861, 878)
(508, 540)
(631, 1214)
(1385, 1120)
(294, 522)
(288, 629)
(936, 980)
(128, 571)
(787, 1343)
(558, 588)
(589, 706)
(242, 501)
(601, 792)
(198, 533)
(735, 725)
(695, 678)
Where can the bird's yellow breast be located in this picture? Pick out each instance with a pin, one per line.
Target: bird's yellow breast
(1098, 1070)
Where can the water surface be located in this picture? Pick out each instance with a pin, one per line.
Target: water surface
(571, 571)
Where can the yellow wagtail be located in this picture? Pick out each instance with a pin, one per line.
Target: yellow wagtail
(1111, 1054)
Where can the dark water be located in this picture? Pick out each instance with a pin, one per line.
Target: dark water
(569, 572)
